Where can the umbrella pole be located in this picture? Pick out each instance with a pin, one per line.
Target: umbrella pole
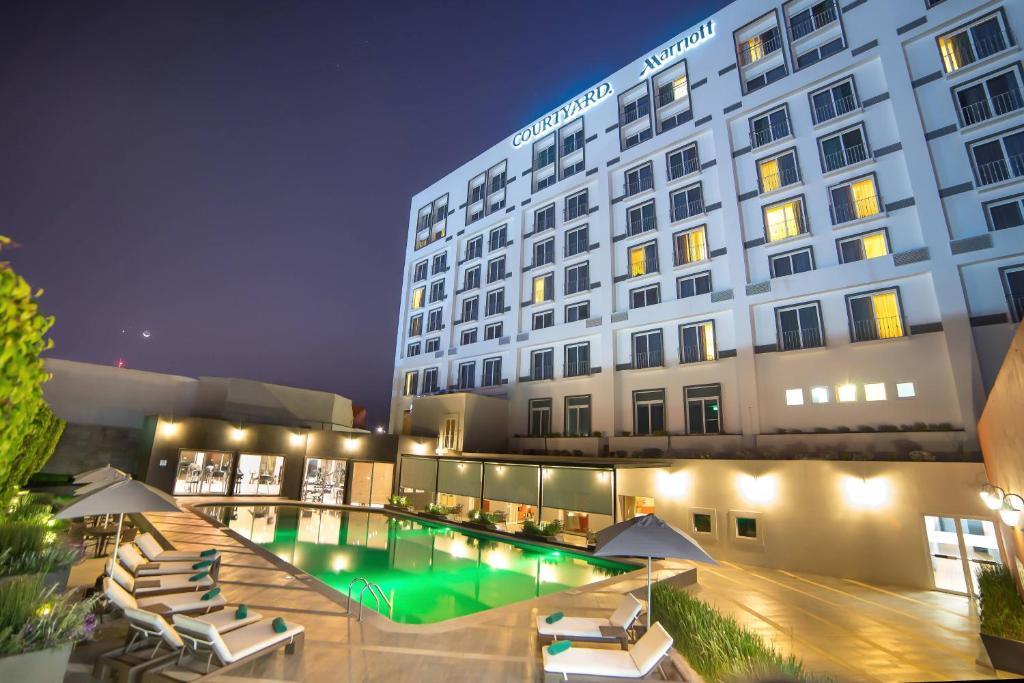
(648, 593)
(117, 542)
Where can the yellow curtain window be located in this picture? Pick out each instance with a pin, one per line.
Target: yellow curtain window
(679, 88)
(770, 175)
(783, 221)
(417, 297)
(874, 246)
(696, 245)
(637, 263)
(708, 333)
(949, 57)
(755, 49)
(865, 199)
(409, 378)
(887, 315)
(538, 290)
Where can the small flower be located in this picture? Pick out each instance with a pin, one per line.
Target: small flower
(90, 622)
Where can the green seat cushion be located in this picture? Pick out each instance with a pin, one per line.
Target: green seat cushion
(242, 612)
(279, 625)
(199, 577)
(200, 565)
(210, 594)
(552, 618)
(558, 646)
(208, 553)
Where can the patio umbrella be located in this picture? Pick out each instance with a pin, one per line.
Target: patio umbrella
(99, 474)
(650, 537)
(120, 498)
(95, 486)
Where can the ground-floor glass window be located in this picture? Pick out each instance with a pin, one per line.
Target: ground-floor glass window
(203, 473)
(371, 482)
(510, 516)
(635, 506)
(324, 481)
(580, 498)
(259, 475)
(458, 486)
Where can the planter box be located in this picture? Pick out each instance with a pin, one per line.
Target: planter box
(1005, 654)
(431, 515)
(574, 445)
(897, 443)
(41, 666)
(533, 537)
(397, 508)
(479, 525)
(646, 446)
(58, 578)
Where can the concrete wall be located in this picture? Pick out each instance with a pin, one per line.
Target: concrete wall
(248, 399)
(86, 447)
(482, 419)
(807, 519)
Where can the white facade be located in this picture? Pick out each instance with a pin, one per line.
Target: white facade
(878, 174)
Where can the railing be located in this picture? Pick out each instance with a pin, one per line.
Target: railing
(577, 369)
(491, 381)
(645, 182)
(685, 168)
(570, 145)
(814, 22)
(580, 210)
(668, 97)
(643, 267)
(998, 105)
(687, 209)
(647, 359)
(540, 371)
(639, 225)
(1001, 169)
(694, 354)
(1016, 302)
(631, 114)
(783, 177)
(836, 107)
(803, 338)
(495, 275)
(885, 327)
(774, 131)
(375, 591)
(845, 157)
(689, 254)
(424, 222)
(580, 246)
(957, 54)
(749, 54)
(544, 159)
(541, 224)
(854, 209)
(577, 285)
(495, 309)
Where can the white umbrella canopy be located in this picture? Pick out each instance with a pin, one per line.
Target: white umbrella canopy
(95, 486)
(100, 474)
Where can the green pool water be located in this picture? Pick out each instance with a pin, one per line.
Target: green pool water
(431, 572)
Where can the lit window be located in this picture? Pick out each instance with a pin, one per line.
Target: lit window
(794, 397)
(846, 393)
(819, 394)
(543, 288)
(769, 171)
(691, 246)
(417, 297)
(783, 220)
(863, 247)
(411, 381)
(905, 390)
(643, 259)
(874, 392)
(876, 316)
(851, 201)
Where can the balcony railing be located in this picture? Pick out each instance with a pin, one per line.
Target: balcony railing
(694, 354)
(645, 266)
(885, 327)
(541, 371)
(685, 255)
(854, 209)
(639, 225)
(575, 212)
(683, 210)
(542, 224)
(749, 54)
(1001, 169)
(631, 114)
(983, 110)
(814, 22)
(642, 184)
(774, 131)
(783, 177)
(647, 359)
(836, 107)
(575, 286)
(668, 97)
(845, 157)
(803, 338)
(580, 246)
(956, 54)
(1016, 302)
(578, 369)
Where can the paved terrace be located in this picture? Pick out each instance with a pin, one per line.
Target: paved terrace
(854, 631)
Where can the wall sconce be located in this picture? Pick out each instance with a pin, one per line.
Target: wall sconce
(237, 434)
(672, 484)
(1012, 507)
(602, 476)
(169, 428)
(866, 493)
(992, 496)
(759, 489)
(295, 438)
(379, 430)
(351, 444)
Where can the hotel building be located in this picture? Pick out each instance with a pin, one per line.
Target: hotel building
(794, 227)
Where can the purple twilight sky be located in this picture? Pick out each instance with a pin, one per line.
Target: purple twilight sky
(235, 177)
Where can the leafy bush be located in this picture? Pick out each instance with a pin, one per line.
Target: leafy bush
(436, 509)
(1002, 612)
(716, 646)
(399, 501)
(33, 618)
(483, 517)
(842, 429)
(552, 528)
(888, 428)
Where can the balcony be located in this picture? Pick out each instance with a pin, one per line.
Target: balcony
(864, 207)
(956, 54)
(847, 156)
(802, 338)
(633, 113)
(983, 110)
(837, 107)
(887, 327)
(768, 134)
(755, 52)
(1001, 169)
(573, 213)
(813, 22)
(579, 247)
(578, 285)
(644, 183)
(681, 211)
(647, 359)
(636, 226)
(685, 168)
(694, 354)
(783, 177)
(682, 256)
(645, 266)
(539, 371)
(577, 369)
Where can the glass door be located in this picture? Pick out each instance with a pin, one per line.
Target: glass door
(982, 546)
(202, 473)
(259, 475)
(324, 481)
(958, 547)
(371, 483)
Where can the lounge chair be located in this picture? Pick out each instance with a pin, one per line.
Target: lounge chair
(147, 629)
(164, 605)
(138, 565)
(590, 628)
(157, 585)
(593, 664)
(155, 552)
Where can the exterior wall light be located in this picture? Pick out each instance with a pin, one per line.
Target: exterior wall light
(295, 438)
(379, 430)
(759, 489)
(866, 493)
(169, 428)
(237, 434)
(1012, 507)
(350, 444)
(672, 484)
(992, 496)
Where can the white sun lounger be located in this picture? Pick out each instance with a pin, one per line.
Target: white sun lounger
(139, 566)
(589, 663)
(176, 603)
(155, 552)
(589, 628)
(156, 585)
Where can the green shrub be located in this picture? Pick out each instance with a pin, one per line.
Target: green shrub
(34, 618)
(1002, 612)
(50, 479)
(436, 509)
(399, 501)
(21, 536)
(552, 528)
(888, 428)
(483, 517)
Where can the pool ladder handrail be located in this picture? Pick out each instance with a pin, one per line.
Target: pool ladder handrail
(375, 590)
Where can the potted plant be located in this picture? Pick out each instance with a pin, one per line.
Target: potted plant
(38, 628)
(32, 542)
(547, 532)
(1002, 618)
(397, 502)
(482, 520)
(436, 511)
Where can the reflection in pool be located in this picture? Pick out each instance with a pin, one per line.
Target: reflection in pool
(431, 572)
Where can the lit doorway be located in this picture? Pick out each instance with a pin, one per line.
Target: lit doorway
(371, 483)
(259, 475)
(324, 481)
(958, 547)
(202, 473)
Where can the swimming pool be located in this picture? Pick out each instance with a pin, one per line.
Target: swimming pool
(430, 572)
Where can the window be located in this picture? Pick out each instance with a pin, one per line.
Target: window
(475, 247)
(471, 308)
(672, 90)
(468, 337)
(968, 44)
(440, 263)
(493, 331)
(498, 238)
(495, 302)
(846, 393)
(577, 241)
(432, 345)
(1013, 282)
(693, 285)
(758, 47)
(1005, 213)
(834, 100)
(819, 394)
(690, 246)
(792, 262)
(905, 390)
(472, 278)
(746, 527)
(467, 375)
(577, 359)
(434, 320)
(418, 295)
(543, 319)
(794, 397)
(542, 364)
(576, 205)
(643, 259)
(580, 311)
(687, 202)
(994, 95)
(577, 278)
(859, 247)
(820, 52)
(799, 327)
(492, 372)
(636, 138)
(778, 171)
(496, 269)
(812, 18)
(769, 127)
(540, 416)
(648, 412)
(436, 291)
(1000, 158)
(683, 162)
(702, 523)
(842, 149)
(419, 271)
(431, 222)
(640, 219)
(639, 179)
(874, 392)
(544, 152)
(429, 380)
(544, 219)
(416, 325)
(702, 409)
(644, 296)
(697, 342)
(854, 200)
(634, 109)
(875, 316)
(544, 252)
(577, 416)
(543, 288)
(647, 349)
(412, 349)
(784, 220)
(411, 383)
(572, 141)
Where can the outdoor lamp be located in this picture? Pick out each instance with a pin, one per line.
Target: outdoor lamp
(992, 496)
(237, 433)
(169, 428)
(1012, 507)
(295, 438)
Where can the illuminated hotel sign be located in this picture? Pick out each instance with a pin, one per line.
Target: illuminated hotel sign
(660, 60)
(563, 114)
